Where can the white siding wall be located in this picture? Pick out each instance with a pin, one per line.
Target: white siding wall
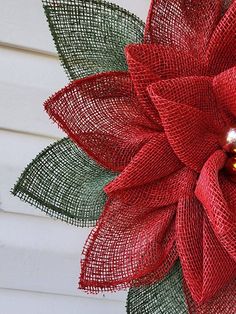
(39, 257)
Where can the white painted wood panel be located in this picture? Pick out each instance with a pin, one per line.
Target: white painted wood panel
(41, 303)
(42, 255)
(19, 150)
(22, 22)
(26, 81)
(39, 264)
(37, 253)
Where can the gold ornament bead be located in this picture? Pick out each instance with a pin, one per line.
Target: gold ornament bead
(228, 141)
(230, 167)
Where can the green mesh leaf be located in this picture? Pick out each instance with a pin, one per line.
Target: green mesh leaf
(65, 183)
(90, 35)
(164, 297)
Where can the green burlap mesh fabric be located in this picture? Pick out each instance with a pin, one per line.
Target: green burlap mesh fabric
(90, 35)
(65, 183)
(164, 297)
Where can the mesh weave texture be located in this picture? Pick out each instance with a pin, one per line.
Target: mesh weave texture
(90, 35)
(164, 297)
(187, 25)
(66, 184)
(159, 125)
(100, 114)
(133, 242)
(222, 303)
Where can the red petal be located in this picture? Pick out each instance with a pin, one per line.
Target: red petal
(222, 303)
(218, 266)
(157, 193)
(222, 47)
(154, 161)
(100, 114)
(225, 89)
(189, 237)
(218, 196)
(161, 272)
(207, 267)
(150, 63)
(128, 243)
(189, 116)
(186, 25)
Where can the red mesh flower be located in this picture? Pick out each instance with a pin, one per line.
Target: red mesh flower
(161, 125)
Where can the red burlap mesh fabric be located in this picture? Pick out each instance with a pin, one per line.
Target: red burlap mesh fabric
(161, 162)
(224, 89)
(222, 303)
(135, 235)
(134, 241)
(154, 194)
(160, 126)
(204, 261)
(150, 63)
(192, 114)
(217, 194)
(187, 25)
(179, 103)
(221, 50)
(100, 114)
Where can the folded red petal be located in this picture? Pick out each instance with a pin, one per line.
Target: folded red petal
(189, 116)
(162, 270)
(101, 115)
(183, 24)
(218, 196)
(224, 302)
(129, 242)
(154, 161)
(224, 86)
(218, 266)
(156, 194)
(189, 238)
(222, 47)
(207, 267)
(151, 63)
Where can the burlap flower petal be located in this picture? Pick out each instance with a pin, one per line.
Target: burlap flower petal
(151, 63)
(161, 271)
(189, 116)
(163, 297)
(155, 194)
(154, 161)
(222, 47)
(100, 114)
(224, 86)
(65, 183)
(90, 35)
(186, 25)
(207, 267)
(222, 303)
(128, 243)
(217, 194)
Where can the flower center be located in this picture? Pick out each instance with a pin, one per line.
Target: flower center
(230, 166)
(229, 146)
(229, 142)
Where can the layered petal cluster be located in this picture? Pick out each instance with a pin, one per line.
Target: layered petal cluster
(154, 132)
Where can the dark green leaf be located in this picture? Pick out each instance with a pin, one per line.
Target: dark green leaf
(164, 297)
(90, 35)
(65, 183)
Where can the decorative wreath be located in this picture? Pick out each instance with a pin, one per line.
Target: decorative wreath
(151, 155)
